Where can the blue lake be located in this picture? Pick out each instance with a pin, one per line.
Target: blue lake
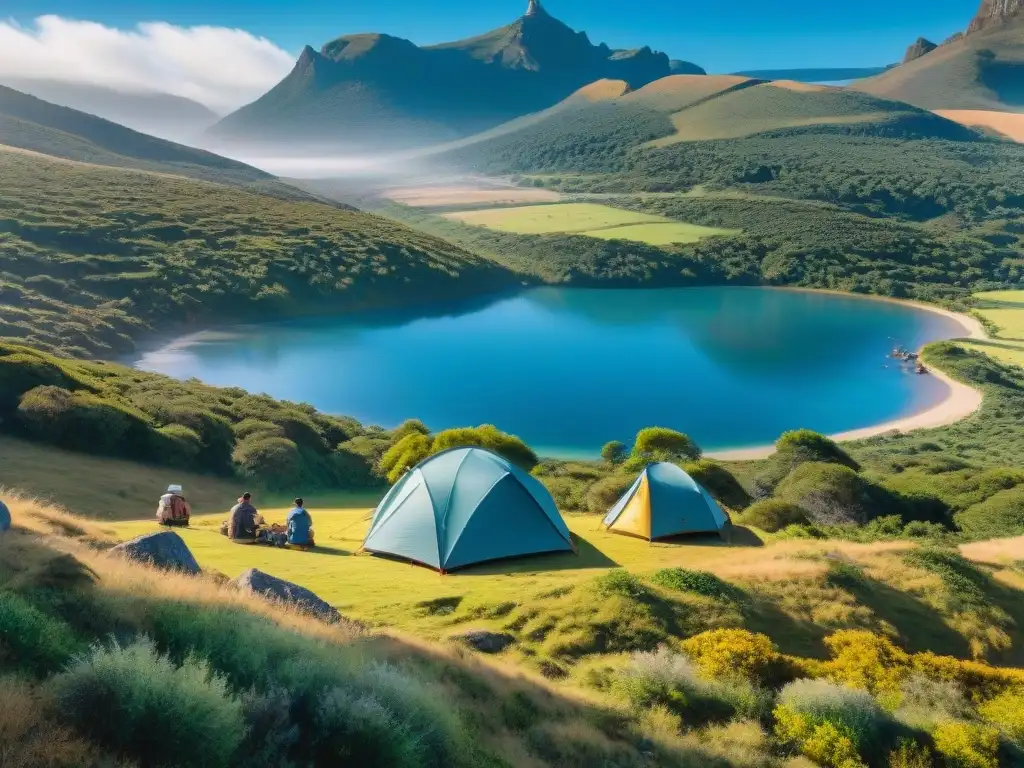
(570, 369)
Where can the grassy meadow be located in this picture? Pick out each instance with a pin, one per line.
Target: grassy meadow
(1004, 310)
(590, 220)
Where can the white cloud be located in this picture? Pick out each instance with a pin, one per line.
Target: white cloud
(216, 66)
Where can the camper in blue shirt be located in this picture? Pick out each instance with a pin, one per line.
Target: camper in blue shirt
(300, 526)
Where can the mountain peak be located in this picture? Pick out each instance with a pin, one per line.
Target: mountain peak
(534, 9)
(995, 12)
(921, 47)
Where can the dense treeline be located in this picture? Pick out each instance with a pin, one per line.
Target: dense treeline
(93, 258)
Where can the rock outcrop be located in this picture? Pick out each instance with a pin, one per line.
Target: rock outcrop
(164, 549)
(992, 13)
(920, 47)
(274, 588)
(484, 641)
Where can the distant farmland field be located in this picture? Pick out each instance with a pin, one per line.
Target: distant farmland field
(590, 219)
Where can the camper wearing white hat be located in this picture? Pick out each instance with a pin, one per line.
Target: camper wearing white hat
(173, 509)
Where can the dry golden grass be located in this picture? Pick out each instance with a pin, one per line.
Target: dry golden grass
(1008, 124)
(601, 90)
(456, 195)
(795, 85)
(998, 552)
(104, 488)
(28, 736)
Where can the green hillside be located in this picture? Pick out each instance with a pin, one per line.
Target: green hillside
(604, 135)
(983, 70)
(39, 126)
(94, 258)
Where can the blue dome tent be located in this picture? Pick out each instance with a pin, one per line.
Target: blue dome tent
(466, 506)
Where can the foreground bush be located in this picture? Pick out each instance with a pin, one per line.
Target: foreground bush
(1007, 712)
(833, 725)
(772, 515)
(737, 653)
(832, 494)
(967, 745)
(670, 680)
(865, 660)
(31, 640)
(138, 703)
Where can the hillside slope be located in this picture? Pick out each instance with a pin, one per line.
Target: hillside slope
(158, 114)
(39, 126)
(983, 70)
(689, 108)
(378, 91)
(94, 257)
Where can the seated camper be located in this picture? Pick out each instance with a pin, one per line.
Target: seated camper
(173, 509)
(244, 521)
(300, 526)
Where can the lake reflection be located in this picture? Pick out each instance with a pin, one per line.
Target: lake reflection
(570, 369)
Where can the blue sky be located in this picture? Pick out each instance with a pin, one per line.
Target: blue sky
(721, 36)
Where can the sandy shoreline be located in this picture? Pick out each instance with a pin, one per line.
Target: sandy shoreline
(960, 402)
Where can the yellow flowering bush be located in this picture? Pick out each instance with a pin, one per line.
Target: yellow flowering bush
(1006, 711)
(736, 652)
(862, 659)
(967, 745)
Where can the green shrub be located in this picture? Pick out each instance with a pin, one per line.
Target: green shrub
(698, 583)
(136, 702)
(832, 494)
(404, 455)
(800, 446)
(719, 482)
(491, 438)
(409, 427)
(82, 421)
(1000, 516)
(602, 495)
(662, 444)
(30, 639)
(270, 461)
(22, 370)
(247, 427)
(772, 515)
(179, 446)
(614, 452)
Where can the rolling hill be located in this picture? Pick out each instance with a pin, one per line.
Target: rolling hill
(377, 91)
(982, 70)
(686, 109)
(39, 126)
(93, 258)
(158, 114)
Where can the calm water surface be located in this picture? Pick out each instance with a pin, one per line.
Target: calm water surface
(569, 369)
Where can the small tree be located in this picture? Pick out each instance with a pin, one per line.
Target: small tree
(614, 452)
(663, 444)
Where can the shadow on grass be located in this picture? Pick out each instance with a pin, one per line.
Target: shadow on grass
(920, 627)
(739, 537)
(586, 556)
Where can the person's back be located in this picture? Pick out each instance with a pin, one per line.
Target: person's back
(242, 524)
(173, 509)
(300, 526)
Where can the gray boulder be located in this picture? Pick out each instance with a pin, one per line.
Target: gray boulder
(484, 641)
(164, 549)
(278, 589)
